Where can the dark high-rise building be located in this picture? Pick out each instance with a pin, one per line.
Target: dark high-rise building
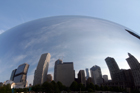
(133, 62)
(89, 80)
(13, 74)
(59, 61)
(96, 75)
(64, 72)
(113, 68)
(49, 78)
(135, 69)
(126, 77)
(40, 75)
(105, 78)
(81, 77)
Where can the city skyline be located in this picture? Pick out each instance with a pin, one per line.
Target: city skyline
(80, 39)
(64, 71)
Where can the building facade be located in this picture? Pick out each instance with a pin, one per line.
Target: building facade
(113, 68)
(57, 62)
(105, 78)
(89, 80)
(64, 72)
(96, 75)
(87, 73)
(13, 75)
(40, 75)
(81, 77)
(49, 78)
(135, 69)
(19, 75)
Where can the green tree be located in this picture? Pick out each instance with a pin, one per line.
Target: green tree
(90, 90)
(60, 86)
(90, 86)
(106, 88)
(5, 89)
(46, 87)
(102, 88)
(81, 87)
(97, 87)
(74, 86)
(55, 87)
(36, 88)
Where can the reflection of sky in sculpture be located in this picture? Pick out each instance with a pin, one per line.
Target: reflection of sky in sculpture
(85, 41)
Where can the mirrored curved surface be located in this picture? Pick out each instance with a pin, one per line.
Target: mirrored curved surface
(86, 41)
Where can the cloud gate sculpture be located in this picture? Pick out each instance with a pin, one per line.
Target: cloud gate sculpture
(86, 41)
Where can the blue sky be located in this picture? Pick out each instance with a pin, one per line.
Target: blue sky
(124, 12)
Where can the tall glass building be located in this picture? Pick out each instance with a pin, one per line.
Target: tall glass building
(19, 75)
(96, 75)
(64, 72)
(113, 68)
(40, 75)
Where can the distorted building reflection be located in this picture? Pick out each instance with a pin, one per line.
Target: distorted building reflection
(113, 68)
(19, 76)
(81, 77)
(64, 72)
(135, 69)
(96, 75)
(40, 75)
(49, 78)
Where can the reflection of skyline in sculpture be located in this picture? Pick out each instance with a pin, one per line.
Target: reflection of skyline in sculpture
(135, 69)
(96, 75)
(13, 74)
(64, 72)
(40, 75)
(105, 78)
(59, 61)
(113, 68)
(49, 78)
(87, 73)
(83, 40)
(19, 75)
(81, 77)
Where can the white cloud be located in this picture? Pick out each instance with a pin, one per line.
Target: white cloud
(18, 58)
(1, 31)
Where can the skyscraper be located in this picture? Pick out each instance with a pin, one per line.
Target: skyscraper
(49, 78)
(19, 75)
(13, 74)
(96, 75)
(59, 61)
(40, 75)
(135, 69)
(87, 73)
(133, 62)
(64, 72)
(105, 77)
(81, 77)
(113, 68)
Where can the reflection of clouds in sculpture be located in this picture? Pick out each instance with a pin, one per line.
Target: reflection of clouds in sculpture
(85, 41)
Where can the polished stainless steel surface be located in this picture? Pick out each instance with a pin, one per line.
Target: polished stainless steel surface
(86, 41)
